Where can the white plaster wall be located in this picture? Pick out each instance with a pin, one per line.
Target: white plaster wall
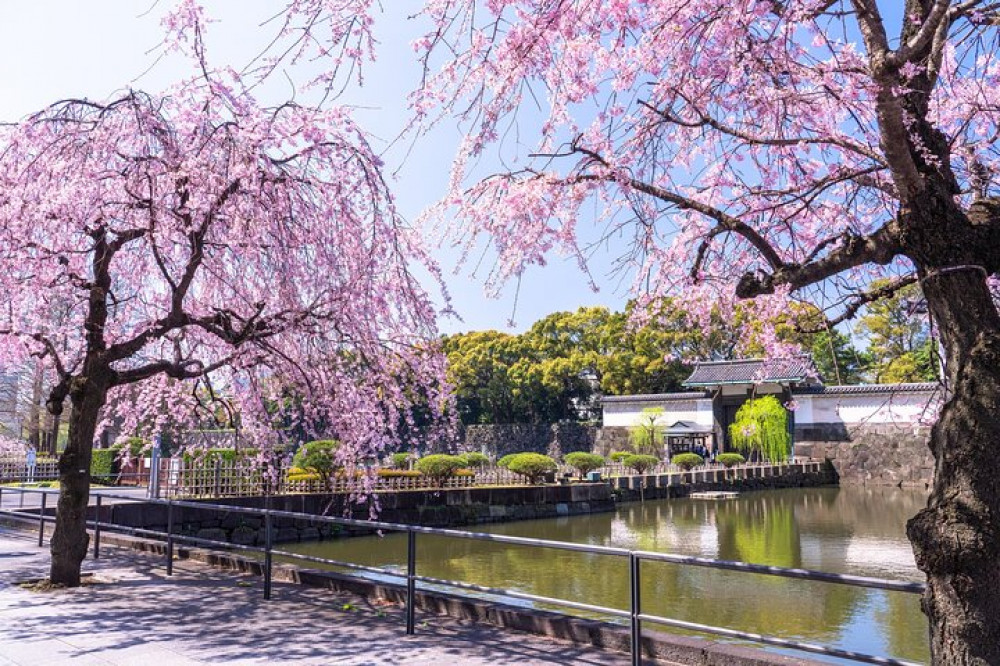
(872, 408)
(626, 414)
(906, 408)
(804, 410)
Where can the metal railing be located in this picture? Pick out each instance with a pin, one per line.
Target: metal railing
(634, 615)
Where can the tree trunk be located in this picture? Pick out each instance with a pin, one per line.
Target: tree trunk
(54, 433)
(956, 539)
(34, 413)
(70, 539)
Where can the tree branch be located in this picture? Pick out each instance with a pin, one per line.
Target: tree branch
(880, 247)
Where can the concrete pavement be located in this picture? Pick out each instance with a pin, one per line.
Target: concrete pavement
(17, 498)
(135, 614)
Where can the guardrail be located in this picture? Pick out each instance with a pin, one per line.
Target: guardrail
(634, 615)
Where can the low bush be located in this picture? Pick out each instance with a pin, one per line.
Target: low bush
(619, 456)
(399, 474)
(319, 456)
(640, 463)
(532, 466)
(440, 466)
(475, 459)
(584, 462)
(223, 455)
(400, 460)
(296, 474)
(687, 461)
(505, 461)
(728, 460)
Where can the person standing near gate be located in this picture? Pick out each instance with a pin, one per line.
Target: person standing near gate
(32, 460)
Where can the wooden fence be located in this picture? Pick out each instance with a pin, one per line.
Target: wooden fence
(15, 470)
(242, 478)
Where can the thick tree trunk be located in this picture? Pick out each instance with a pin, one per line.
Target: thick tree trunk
(70, 539)
(956, 539)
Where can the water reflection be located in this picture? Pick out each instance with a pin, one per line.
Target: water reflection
(854, 530)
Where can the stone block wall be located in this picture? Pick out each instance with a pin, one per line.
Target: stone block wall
(611, 438)
(554, 439)
(875, 454)
(453, 507)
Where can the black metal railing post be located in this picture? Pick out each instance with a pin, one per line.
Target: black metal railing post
(170, 537)
(635, 603)
(411, 582)
(41, 521)
(97, 529)
(268, 542)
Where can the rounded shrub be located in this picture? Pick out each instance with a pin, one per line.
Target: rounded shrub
(687, 461)
(440, 466)
(532, 466)
(400, 460)
(319, 456)
(584, 462)
(505, 460)
(728, 460)
(475, 459)
(641, 463)
(619, 456)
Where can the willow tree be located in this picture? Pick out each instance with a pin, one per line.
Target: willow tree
(199, 243)
(768, 150)
(761, 424)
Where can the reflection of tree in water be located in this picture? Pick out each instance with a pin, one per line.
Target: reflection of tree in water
(903, 626)
(763, 527)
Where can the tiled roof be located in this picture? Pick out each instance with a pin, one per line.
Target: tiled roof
(687, 427)
(794, 369)
(654, 397)
(921, 387)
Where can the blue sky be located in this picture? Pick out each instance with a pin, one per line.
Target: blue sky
(58, 49)
(65, 48)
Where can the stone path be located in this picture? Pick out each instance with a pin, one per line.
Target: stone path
(135, 614)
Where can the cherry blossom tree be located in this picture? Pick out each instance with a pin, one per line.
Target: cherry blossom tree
(747, 149)
(769, 150)
(197, 244)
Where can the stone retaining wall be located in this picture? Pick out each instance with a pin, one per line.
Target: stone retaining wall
(554, 439)
(799, 474)
(430, 508)
(882, 454)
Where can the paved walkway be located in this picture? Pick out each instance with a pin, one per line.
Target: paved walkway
(10, 498)
(134, 614)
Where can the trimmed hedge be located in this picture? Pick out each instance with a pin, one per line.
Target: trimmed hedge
(728, 460)
(475, 459)
(318, 456)
(104, 464)
(641, 463)
(400, 460)
(619, 456)
(533, 466)
(687, 461)
(505, 461)
(584, 462)
(440, 466)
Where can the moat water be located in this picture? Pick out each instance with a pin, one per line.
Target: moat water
(844, 530)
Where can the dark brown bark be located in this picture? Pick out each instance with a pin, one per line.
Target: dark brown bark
(70, 539)
(34, 412)
(956, 539)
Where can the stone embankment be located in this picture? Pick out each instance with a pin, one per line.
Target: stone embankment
(452, 507)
